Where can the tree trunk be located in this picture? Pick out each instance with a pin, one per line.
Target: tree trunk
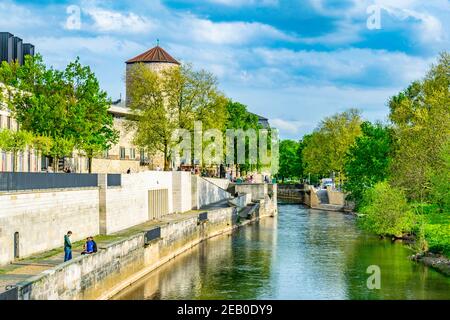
(55, 164)
(166, 160)
(90, 163)
(14, 166)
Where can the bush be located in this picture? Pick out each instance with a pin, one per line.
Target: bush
(386, 212)
(437, 232)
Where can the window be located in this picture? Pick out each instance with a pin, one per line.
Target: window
(1, 121)
(3, 161)
(8, 122)
(132, 153)
(122, 153)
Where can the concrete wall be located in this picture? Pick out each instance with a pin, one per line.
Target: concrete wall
(242, 201)
(182, 192)
(43, 218)
(310, 198)
(127, 206)
(205, 193)
(335, 197)
(222, 183)
(257, 190)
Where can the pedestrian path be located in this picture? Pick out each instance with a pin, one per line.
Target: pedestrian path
(36, 264)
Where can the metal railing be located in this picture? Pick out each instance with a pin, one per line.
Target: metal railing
(21, 181)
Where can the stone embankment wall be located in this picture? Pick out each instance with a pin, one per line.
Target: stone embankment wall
(102, 275)
(335, 197)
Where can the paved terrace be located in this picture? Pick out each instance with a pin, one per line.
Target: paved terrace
(36, 264)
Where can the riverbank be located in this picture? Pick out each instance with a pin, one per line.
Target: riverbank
(435, 261)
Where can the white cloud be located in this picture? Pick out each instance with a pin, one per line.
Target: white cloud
(113, 21)
(238, 3)
(15, 17)
(431, 19)
(287, 127)
(222, 33)
(357, 66)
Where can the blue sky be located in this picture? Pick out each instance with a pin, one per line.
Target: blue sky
(294, 62)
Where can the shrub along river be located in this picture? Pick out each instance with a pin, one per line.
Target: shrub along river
(301, 254)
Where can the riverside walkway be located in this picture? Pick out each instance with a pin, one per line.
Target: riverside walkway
(23, 269)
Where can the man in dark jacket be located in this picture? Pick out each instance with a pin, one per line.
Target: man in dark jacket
(67, 247)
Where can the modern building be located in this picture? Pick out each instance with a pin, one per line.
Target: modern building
(12, 48)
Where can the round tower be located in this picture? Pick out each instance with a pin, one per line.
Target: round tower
(157, 59)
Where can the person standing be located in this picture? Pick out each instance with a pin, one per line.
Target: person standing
(67, 247)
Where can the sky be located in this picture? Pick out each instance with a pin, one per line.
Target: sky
(294, 62)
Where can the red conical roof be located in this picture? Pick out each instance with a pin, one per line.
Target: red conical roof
(156, 54)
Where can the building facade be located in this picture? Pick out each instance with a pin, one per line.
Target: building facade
(120, 158)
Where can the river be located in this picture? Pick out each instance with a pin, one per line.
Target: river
(301, 254)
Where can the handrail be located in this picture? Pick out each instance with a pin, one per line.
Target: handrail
(210, 182)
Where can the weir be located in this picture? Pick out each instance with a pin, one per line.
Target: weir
(327, 199)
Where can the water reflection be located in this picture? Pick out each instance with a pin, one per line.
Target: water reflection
(301, 254)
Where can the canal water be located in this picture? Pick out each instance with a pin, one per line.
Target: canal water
(301, 254)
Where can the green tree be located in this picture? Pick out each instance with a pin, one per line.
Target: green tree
(172, 99)
(326, 148)
(368, 159)
(386, 211)
(92, 125)
(42, 144)
(421, 121)
(440, 182)
(239, 118)
(194, 96)
(290, 160)
(67, 106)
(14, 142)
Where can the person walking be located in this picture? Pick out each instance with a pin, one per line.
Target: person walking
(67, 247)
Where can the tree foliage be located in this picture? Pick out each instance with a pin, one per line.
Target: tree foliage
(368, 159)
(15, 142)
(239, 118)
(172, 99)
(386, 210)
(421, 121)
(291, 165)
(440, 182)
(67, 106)
(325, 150)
